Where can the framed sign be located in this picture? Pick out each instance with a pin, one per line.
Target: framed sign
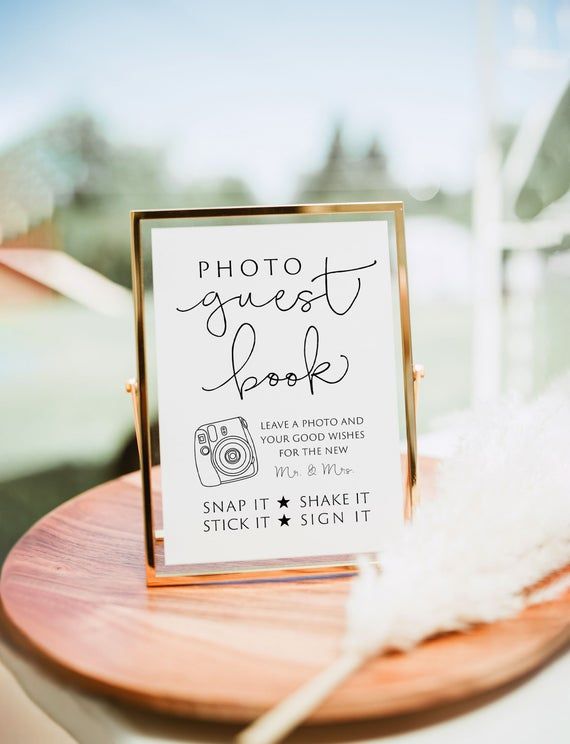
(281, 378)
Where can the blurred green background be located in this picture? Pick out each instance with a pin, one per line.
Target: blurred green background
(255, 105)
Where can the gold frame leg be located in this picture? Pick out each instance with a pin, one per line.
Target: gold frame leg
(419, 374)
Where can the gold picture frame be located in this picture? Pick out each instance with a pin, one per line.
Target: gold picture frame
(138, 387)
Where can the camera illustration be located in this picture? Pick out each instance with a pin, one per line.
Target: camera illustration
(224, 452)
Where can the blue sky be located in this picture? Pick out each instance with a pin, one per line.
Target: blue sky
(252, 88)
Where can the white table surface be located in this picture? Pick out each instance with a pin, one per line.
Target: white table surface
(35, 707)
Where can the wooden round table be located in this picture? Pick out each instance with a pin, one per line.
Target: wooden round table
(73, 592)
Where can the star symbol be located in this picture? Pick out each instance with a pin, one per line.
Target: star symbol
(284, 502)
(284, 521)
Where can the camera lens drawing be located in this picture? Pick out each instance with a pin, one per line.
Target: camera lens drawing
(224, 452)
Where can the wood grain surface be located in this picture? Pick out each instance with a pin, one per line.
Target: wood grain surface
(73, 592)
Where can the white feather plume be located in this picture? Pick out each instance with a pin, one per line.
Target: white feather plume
(499, 524)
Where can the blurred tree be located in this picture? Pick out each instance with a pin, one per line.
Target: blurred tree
(345, 176)
(95, 225)
(70, 170)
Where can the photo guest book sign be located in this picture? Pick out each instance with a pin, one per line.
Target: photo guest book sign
(283, 376)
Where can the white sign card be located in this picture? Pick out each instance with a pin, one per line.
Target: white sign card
(277, 391)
